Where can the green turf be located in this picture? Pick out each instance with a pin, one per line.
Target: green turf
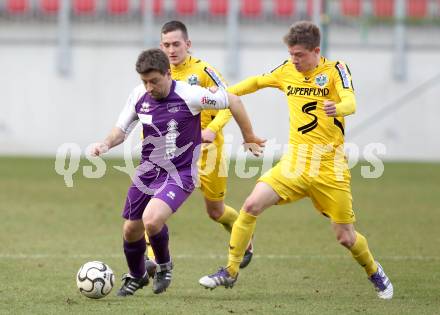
(48, 231)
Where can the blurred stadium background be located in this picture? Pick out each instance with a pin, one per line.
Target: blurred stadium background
(66, 69)
(67, 66)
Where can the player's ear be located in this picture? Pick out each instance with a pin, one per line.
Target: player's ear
(188, 44)
(317, 50)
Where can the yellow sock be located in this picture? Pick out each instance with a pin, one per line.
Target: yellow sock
(228, 218)
(362, 254)
(242, 232)
(150, 252)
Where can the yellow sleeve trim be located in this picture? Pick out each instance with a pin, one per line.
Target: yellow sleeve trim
(220, 120)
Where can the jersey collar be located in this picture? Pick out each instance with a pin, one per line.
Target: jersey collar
(322, 61)
(183, 65)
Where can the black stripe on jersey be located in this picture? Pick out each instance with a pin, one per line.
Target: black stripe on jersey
(198, 61)
(348, 69)
(344, 79)
(279, 65)
(214, 77)
(351, 79)
(340, 75)
(339, 125)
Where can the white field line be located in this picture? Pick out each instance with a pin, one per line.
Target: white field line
(213, 257)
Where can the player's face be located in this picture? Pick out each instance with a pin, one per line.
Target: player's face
(304, 59)
(175, 46)
(157, 85)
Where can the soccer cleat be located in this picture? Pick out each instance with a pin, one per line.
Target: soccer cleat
(162, 277)
(150, 267)
(247, 256)
(132, 284)
(382, 283)
(220, 278)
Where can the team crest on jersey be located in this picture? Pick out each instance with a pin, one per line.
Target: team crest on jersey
(193, 80)
(321, 80)
(173, 107)
(145, 107)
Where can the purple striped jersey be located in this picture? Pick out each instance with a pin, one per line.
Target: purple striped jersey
(171, 126)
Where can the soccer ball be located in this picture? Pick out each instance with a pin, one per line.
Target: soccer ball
(95, 279)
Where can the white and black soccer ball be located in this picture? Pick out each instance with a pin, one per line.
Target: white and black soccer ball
(95, 279)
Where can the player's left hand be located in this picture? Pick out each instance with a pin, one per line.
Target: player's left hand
(330, 108)
(208, 136)
(255, 145)
(98, 148)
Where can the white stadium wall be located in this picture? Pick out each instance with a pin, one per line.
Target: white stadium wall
(39, 110)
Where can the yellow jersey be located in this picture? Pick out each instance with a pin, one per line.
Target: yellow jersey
(312, 133)
(197, 72)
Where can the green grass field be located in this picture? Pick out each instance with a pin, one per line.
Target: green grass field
(48, 231)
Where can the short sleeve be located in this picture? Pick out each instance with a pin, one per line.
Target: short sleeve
(198, 98)
(128, 114)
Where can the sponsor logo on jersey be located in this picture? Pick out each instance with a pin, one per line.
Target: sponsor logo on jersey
(321, 80)
(173, 107)
(170, 139)
(208, 101)
(213, 75)
(145, 107)
(291, 90)
(343, 73)
(193, 80)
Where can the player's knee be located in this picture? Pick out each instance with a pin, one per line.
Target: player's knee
(152, 226)
(345, 239)
(131, 233)
(251, 206)
(214, 212)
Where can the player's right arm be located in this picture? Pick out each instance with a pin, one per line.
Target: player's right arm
(126, 121)
(115, 137)
(344, 87)
(256, 83)
(212, 77)
(251, 141)
(199, 98)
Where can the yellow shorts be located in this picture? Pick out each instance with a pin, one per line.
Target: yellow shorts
(330, 194)
(213, 171)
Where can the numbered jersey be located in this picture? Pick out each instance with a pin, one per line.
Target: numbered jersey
(197, 72)
(312, 132)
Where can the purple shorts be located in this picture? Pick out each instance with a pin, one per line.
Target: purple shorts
(173, 191)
